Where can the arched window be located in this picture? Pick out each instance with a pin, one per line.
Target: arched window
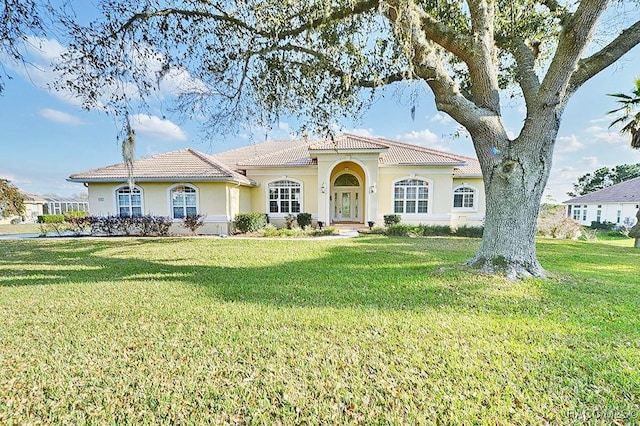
(129, 202)
(346, 179)
(464, 198)
(184, 201)
(411, 196)
(284, 197)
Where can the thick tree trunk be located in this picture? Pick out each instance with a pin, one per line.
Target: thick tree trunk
(514, 184)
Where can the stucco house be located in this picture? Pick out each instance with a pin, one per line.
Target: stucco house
(617, 204)
(350, 179)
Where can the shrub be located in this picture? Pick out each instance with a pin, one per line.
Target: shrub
(193, 222)
(553, 222)
(325, 232)
(304, 220)
(51, 218)
(77, 223)
(291, 221)
(400, 230)
(609, 226)
(432, 230)
(391, 219)
(147, 225)
(250, 222)
(470, 231)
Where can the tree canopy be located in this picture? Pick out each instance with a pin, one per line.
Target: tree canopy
(603, 178)
(11, 199)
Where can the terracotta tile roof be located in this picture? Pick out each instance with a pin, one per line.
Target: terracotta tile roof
(182, 164)
(404, 153)
(623, 192)
(297, 153)
(471, 168)
(346, 142)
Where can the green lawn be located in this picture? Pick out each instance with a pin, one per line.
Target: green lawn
(371, 330)
(23, 228)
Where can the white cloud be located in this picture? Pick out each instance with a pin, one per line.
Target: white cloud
(442, 118)
(423, 137)
(60, 117)
(568, 144)
(591, 162)
(358, 131)
(284, 126)
(155, 127)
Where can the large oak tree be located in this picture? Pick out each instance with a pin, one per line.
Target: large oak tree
(322, 60)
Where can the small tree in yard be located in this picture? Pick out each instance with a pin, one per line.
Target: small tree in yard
(11, 200)
(315, 59)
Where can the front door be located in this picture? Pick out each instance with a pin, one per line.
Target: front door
(346, 206)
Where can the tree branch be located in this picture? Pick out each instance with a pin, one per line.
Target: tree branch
(482, 65)
(589, 67)
(330, 67)
(525, 70)
(578, 31)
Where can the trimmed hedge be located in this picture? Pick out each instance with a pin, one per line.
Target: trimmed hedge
(51, 218)
(250, 222)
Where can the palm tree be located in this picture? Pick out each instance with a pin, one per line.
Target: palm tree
(629, 114)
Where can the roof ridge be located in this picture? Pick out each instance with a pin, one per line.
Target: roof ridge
(280, 151)
(211, 161)
(425, 149)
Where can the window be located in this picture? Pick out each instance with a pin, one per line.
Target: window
(618, 216)
(410, 196)
(599, 214)
(284, 197)
(129, 202)
(346, 180)
(576, 212)
(464, 198)
(584, 213)
(184, 201)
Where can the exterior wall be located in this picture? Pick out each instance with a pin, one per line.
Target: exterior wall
(474, 216)
(616, 213)
(218, 201)
(440, 194)
(308, 178)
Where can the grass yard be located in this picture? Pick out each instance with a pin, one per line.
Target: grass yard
(23, 228)
(371, 330)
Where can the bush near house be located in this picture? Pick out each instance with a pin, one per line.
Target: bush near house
(250, 222)
(406, 230)
(609, 226)
(391, 219)
(147, 225)
(304, 220)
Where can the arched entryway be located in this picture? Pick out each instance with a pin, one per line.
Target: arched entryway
(347, 194)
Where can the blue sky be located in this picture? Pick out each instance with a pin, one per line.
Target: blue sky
(46, 136)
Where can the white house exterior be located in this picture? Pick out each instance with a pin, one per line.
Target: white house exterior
(617, 204)
(350, 179)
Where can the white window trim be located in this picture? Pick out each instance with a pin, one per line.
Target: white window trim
(414, 216)
(170, 203)
(116, 204)
(347, 172)
(475, 198)
(266, 196)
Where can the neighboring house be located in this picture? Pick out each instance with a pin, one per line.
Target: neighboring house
(350, 179)
(617, 204)
(36, 205)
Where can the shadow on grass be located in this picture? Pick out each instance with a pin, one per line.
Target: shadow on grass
(387, 273)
